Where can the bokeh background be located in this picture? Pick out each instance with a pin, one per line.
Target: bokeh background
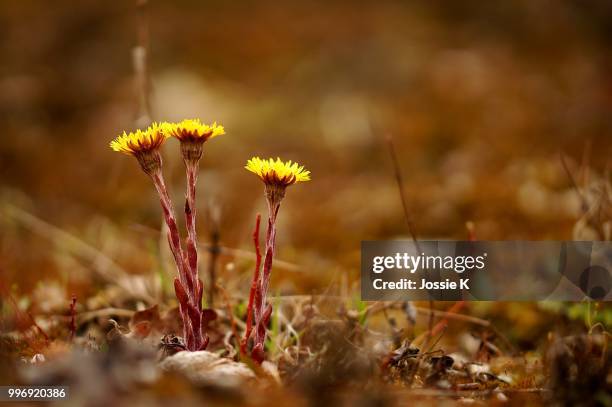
(481, 99)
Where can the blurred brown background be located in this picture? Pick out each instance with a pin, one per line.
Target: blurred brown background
(480, 97)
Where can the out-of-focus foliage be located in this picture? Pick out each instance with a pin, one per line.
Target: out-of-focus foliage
(480, 98)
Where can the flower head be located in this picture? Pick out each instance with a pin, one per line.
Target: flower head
(138, 141)
(192, 134)
(277, 173)
(193, 130)
(142, 144)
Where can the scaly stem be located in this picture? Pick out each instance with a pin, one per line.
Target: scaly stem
(254, 286)
(270, 248)
(174, 241)
(192, 252)
(190, 215)
(174, 238)
(262, 309)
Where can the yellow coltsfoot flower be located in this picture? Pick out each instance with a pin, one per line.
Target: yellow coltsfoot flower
(277, 175)
(193, 130)
(277, 172)
(142, 144)
(192, 134)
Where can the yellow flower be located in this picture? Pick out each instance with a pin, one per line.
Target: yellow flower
(277, 173)
(193, 130)
(140, 141)
(144, 145)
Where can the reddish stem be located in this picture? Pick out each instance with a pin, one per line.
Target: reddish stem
(174, 238)
(456, 307)
(254, 284)
(262, 309)
(192, 254)
(187, 287)
(73, 317)
(190, 216)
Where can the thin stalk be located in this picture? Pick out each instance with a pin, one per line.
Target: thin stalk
(262, 309)
(400, 186)
(140, 65)
(190, 216)
(192, 253)
(254, 286)
(411, 229)
(185, 288)
(174, 239)
(73, 317)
